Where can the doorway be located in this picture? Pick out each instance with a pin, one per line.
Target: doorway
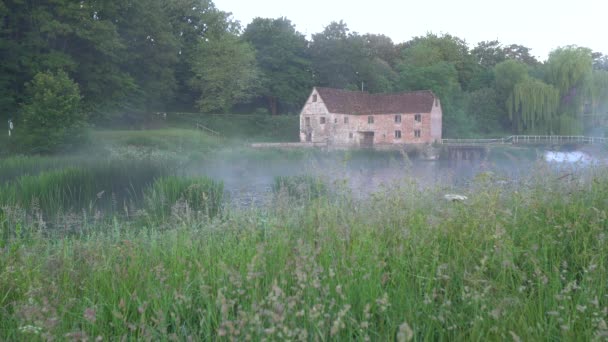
(309, 137)
(368, 139)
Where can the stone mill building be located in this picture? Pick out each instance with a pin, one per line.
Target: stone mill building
(360, 119)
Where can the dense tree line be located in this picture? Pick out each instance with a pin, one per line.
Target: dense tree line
(126, 58)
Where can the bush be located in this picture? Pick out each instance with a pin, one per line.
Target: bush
(51, 119)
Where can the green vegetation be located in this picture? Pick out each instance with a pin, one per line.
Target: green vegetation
(126, 239)
(200, 195)
(243, 128)
(300, 187)
(51, 119)
(513, 262)
(130, 61)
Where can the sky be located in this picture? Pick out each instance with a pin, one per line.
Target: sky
(541, 25)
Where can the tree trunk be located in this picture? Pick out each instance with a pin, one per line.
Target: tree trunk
(272, 101)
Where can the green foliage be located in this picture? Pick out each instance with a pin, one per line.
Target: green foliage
(254, 128)
(533, 107)
(224, 72)
(489, 53)
(442, 79)
(487, 110)
(51, 119)
(599, 93)
(131, 59)
(282, 56)
(518, 262)
(107, 185)
(197, 195)
(570, 69)
(433, 49)
(300, 187)
(506, 75)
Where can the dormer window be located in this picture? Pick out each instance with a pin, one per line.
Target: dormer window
(314, 98)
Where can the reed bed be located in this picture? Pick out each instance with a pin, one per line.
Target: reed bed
(516, 261)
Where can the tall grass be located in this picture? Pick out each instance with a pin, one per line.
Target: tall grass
(520, 261)
(105, 185)
(303, 187)
(259, 128)
(201, 195)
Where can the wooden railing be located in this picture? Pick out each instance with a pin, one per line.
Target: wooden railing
(528, 139)
(207, 129)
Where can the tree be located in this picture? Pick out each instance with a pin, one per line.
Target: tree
(193, 22)
(533, 106)
(379, 46)
(520, 53)
(51, 119)
(433, 49)
(224, 73)
(283, 60)
(600, 61)
(488, 111)
(506, 75)
(570, 70)
(489, 53)
(152, 52)
(442, 79)
(336, 54)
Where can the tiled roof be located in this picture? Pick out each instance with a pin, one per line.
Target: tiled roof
(363, 103)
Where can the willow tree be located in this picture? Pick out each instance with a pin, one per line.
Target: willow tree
(599, 95)
(570, 69)
(533, 107)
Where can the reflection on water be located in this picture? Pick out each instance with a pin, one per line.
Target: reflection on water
(569, 157)
(249, 181)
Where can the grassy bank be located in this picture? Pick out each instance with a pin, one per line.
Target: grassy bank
(522, 261)
(240, 127)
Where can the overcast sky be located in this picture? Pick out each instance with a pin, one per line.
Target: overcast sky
(541, 25)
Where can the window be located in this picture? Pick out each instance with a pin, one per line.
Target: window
(418, 118)
(397, 134)
(346, 119)
(307, 120)
(322, 120)
(314, 98)
(397, 118)
(350, 135)
(335, 120)
(370, 119)
(417, 133)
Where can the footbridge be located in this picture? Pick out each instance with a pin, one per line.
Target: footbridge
(475, 149)
(528, 140)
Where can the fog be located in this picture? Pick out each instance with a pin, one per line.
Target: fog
(248, 181)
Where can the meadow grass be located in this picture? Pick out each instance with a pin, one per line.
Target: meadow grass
(199, 195)
(246, 128)
(521, 261)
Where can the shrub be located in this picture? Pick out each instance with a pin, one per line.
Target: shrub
(51, 119)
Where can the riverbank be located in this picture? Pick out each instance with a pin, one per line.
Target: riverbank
(522, 260)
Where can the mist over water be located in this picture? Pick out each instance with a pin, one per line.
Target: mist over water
(248, 181)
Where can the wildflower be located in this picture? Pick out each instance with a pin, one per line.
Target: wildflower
(90, 315)
(30, 329)
(515, 337)
(405, 333)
